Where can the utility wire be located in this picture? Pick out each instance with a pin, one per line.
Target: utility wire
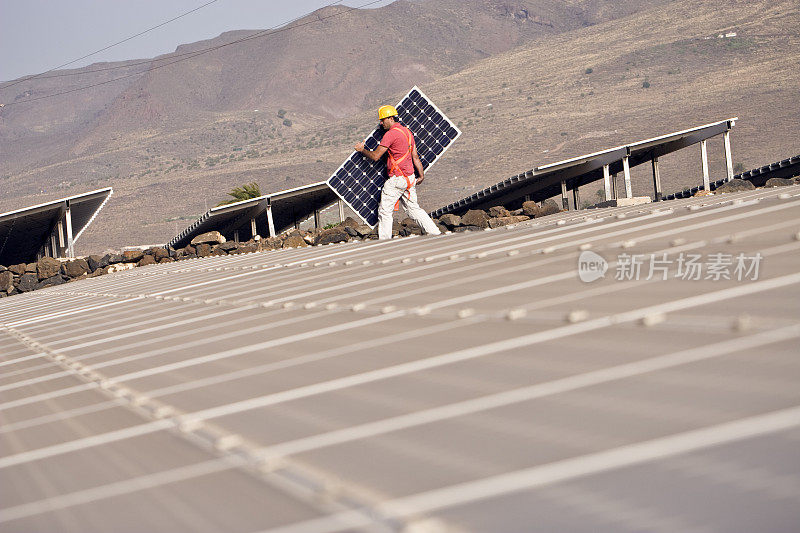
(41, 75)
(190, 55)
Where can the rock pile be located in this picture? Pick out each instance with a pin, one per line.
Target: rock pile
(48, 272)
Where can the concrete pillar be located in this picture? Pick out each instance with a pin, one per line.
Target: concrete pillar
(341, 210)
(70, 239)
(627, 170)
(54, 245)
(253, 229)
(316, 219)
(656, 180)
(236, 236)
(606, 183)
(704, 156)
(564, 197)
(576, 198)
(270, 222)
(728, 159)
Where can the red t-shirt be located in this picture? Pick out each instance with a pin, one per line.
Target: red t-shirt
(396, 140)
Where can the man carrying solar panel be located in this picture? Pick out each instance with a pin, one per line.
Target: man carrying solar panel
(401, 162)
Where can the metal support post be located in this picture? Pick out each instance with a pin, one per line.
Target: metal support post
(576, 198)
(564, 197)
(527, 198)
(728, 159)
(614, 194)
(253, 229)
(54, 246)
(627, 170)
(606, 183)
(316, 219)
(656, 180)
(341, 210)
(270, 222)
(236, 236)
(70, 239)
(704, 156)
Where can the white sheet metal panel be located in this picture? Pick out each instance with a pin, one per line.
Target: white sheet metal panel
(468, 382)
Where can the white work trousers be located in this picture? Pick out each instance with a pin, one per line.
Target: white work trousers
(393, 189)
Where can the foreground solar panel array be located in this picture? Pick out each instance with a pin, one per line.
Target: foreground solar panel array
(468, 382)
(359, 181)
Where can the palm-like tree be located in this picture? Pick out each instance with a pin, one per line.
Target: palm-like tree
(245, 192)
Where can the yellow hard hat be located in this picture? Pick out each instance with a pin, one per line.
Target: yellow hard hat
(386, 111)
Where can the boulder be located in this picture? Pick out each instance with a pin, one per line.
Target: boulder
(27, 282)
(211, 237)
(6, 281)
(531, 209)
(228, 246)
(461, 229)
(245, 249)
(498, 211)
(549, 207)
(146, 260)
(118, 267)
(75, 268)
(365, 231)
(203, 250)
(351, 230)
(99, 272)
(158, 252)
(778, 182)
(450, 220)
(703, 193)
(2, 268)
(31, 268)
(350, 222)
(132, 256)
(115, 258)
(442, 227)
(50, 282)
(190, 250)
(47, 267)
(18, 269)
(475, 217)
(270, 243)
(410, 227)
(294, 241)
(217, 252)
(96, 261)
(166, 260)
(735, 186)
(332, 235)
(505, 221)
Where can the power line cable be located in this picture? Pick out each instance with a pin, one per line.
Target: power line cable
(40, 75)
(190, 55)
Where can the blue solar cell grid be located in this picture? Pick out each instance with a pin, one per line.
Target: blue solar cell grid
(359, 181)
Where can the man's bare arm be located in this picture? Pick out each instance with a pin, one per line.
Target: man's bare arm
(418, 165)
(374, 155)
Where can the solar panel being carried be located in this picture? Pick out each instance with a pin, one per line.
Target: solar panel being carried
(358, 181)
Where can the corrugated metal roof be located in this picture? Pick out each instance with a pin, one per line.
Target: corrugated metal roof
(468, 382)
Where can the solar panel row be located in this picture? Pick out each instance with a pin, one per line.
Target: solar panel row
(358, 181)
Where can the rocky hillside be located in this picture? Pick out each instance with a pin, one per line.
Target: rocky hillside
(530, 82)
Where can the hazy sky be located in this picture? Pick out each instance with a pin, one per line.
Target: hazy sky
(37, 35)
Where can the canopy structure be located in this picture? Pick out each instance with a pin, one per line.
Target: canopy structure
(49, 229)
(549, 180)
(265, 215)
